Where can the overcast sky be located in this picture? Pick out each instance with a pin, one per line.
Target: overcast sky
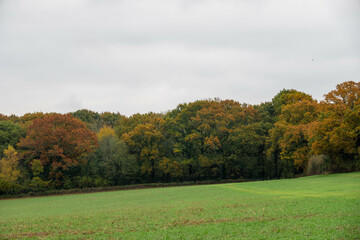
(133, 56)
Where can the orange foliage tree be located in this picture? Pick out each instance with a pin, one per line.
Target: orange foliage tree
(346, 93)
(60, 142)
(337, 133)
(289, 140)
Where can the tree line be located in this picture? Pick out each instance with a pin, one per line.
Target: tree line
(212, 139)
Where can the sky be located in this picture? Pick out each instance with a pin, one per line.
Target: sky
(137, 56)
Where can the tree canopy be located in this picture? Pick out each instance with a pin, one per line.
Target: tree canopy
(211, 139)
(60, 142)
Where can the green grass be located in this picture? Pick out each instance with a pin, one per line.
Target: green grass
(317, 207)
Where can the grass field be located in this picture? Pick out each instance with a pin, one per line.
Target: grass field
(317, 207)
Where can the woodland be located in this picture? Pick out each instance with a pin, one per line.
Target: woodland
(291, 135)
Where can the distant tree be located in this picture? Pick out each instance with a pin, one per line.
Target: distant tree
(247, 147)
(95, 121)
(170, 168)
(60, 142)
(337, 132)
(112, 159)
(37, 184)
(28, 118)
(267, 112)
(128, 124)
(10, 134)
(346, 93)
(288, 96)
(206, 137)
(90, 118)
(106, 132)
(146, 142)
(86, 115)
(3, 117)
(8, 165)
(338, 137)
(289, 139)
(111, 119)
(36, 167)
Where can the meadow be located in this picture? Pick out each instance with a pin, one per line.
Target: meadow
(315, 207)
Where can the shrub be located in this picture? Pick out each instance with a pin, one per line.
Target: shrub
(101, 182)
(39, 185)
(7, 187)
(316, 165)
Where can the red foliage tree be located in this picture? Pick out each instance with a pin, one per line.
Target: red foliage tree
(60, 142)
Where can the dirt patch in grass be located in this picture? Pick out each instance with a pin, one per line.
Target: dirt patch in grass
(194, 222)
(45, 234)
(25, 235)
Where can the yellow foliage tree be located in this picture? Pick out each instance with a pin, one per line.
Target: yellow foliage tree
(8, 165)
(170, 168)
(104, 132)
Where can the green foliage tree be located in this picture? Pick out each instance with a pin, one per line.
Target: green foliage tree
(36, 167)
(90, 118)
(288, 96)
(112, 159)
(206, 135)
(10, 134)
(95, 121)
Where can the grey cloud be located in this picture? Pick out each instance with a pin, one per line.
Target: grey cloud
(137, 56)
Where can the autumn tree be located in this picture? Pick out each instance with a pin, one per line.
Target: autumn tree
(105, 132)
(290, 138)
(337, 133)
(9, 165)
(346, 93)
(170, 168)
(60, 142)
(28, 118)
(3, 117)
(202, 140)
(288, 142)
(146, 142)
